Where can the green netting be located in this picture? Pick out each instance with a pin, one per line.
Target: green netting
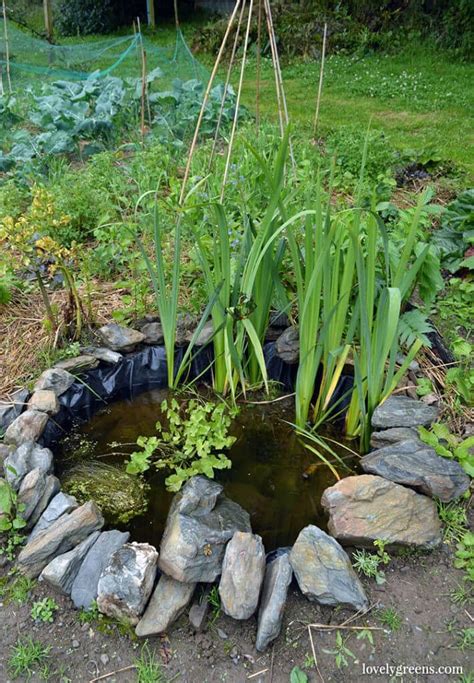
(36, 61)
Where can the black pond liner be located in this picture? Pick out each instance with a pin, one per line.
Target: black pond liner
(146, 370)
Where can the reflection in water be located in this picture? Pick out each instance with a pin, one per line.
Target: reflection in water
(268, 463)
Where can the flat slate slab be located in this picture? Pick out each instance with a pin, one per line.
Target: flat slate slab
(403, 411)
(243, 569)
(365, 508)
(62, 570)
(167, 603)
(415, 464)
(278, 575)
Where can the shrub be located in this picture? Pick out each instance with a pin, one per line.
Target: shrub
(85, 17)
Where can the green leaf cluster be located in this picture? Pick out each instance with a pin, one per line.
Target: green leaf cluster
(449, 445)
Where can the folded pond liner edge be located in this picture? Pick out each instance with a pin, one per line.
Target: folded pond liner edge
(145, 370)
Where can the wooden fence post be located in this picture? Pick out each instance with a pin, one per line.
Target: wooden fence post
(48, 18)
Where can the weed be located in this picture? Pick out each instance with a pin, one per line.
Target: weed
(465, 639)
(389, 617)
(43, 610)
(298, 676)
(148, 667)
(453, 516)
(341, 652)
(214, 601)
(462, 594)
(20, 588)
(369, 563)
(27, 655)
(88, 616)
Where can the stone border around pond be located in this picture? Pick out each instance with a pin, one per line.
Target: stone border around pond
(207, 536)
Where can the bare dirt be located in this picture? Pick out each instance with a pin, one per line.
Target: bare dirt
(432, 633)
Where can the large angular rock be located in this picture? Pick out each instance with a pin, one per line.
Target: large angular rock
(65, 533)
(387, 437)
(277, 579)
(35, 492)
(324, 571)
(78, 364)
(56, 380)
(11, 409)
(167, 603)
(103, 354)
(415, 464)
(288, 346)
(200, 523)
(127, 581)
(27, 457)
(60, 504)
(120, 338)
(62, 570)
(44, 400)
(153, 333)
(243, 569)
(364, 508)
(402, 411)
(26, 427)
(84, 588)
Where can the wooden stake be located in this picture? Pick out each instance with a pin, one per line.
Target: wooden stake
(320, 86)
(259, 59)
(237, 103)
(7, 46)
(205, 99)
(176, 16)
(144, 88)
(150, 12)
(277, 84)
(48, 18)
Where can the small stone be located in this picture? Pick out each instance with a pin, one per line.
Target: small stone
(365, 508)
(55, 379)
(62, 570)
(27, 457)
(200, 522)
(84, 588)
(402, 411)
(63, 534)
(127, 581)
(28, 426)
(120, 338)
(222, 634)
(324, 571)
(105, 659)
(243, 569)
(415, 464)
(44, 400)
(76, 644)
(78, 364)
(153, 333)
(199, 611)
(59, 505)
(103, 354)
(167, 603)
(288, 346)
(387, 437)
(277, 579)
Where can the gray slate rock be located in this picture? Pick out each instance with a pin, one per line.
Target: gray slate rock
(63, 534)
(415, 464)
(199, 611)
(78, 364)
(288, 346)
(153, 333)
(364, 508)
(62, 570)
(200, 522)
(120, 338)
(55, 379)
(402, 411)
(278, 575)
(5, 452)
(103, 354)
(35, 492)
(243, 569)
(60, 504)
(28, 426)
(323, 570)
(387, 437)
(127, 581)
(27, 457)
(44, 400)
(10, 410)
(185, 327)
(84, 588)
(168, 602)
(206, 334)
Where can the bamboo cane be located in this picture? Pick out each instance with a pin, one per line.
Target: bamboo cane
(237, 103)
(7, 46)
(277, 84)
(205, 99)
(259, 59)
(226, 86)
(320, 86)
(176, 16)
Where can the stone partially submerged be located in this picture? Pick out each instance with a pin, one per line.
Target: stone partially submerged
(243, 569)
(365, 508)
(415, 464)
(278, 574)
(127, 581)
(200, 522)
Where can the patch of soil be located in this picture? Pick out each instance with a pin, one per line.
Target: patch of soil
(418, 588)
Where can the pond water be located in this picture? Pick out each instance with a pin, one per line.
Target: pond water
(273, 476)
